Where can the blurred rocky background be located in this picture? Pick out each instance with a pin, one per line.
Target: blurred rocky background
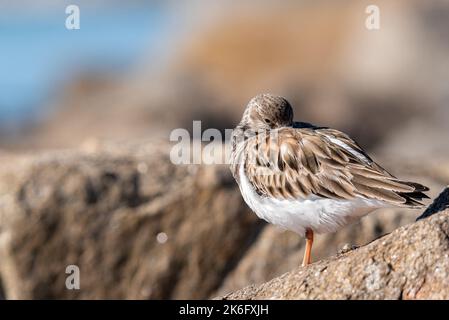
(86, 115)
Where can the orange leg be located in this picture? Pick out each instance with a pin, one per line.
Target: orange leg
(308, 253)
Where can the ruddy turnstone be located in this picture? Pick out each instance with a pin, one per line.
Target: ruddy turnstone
(309, 179)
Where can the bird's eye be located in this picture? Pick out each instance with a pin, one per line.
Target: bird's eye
(267, 121)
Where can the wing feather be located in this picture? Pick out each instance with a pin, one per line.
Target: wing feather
(300, 162)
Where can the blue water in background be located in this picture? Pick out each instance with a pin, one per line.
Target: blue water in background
(38, 53)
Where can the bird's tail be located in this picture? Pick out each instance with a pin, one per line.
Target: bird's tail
(413, 198)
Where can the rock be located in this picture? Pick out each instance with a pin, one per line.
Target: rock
(410, 263)
(346, 248)
(136, 225)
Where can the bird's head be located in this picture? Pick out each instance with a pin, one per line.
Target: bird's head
(267, 111)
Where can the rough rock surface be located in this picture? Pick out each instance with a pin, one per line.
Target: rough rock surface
(412, 262)
(103, 210)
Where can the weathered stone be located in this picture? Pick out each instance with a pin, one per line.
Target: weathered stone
(104, 211)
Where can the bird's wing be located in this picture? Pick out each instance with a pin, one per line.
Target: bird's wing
(292, 163)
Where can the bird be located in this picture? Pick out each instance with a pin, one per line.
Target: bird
(306, 178)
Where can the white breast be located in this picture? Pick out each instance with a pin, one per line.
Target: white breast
(319, 214)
